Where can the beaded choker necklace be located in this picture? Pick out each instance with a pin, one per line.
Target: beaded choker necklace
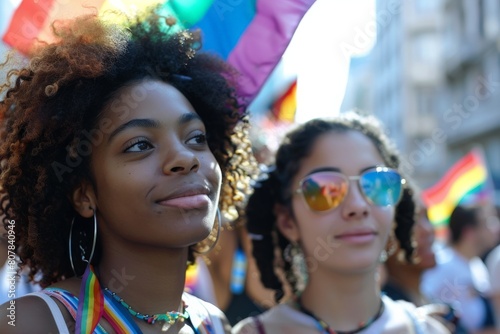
(325, 328)
(169, 318)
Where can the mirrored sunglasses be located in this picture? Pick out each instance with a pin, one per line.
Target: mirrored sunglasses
(324, 191)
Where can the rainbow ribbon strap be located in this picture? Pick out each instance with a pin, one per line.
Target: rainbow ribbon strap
(90, 303)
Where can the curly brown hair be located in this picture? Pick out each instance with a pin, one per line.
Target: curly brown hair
(50, 113)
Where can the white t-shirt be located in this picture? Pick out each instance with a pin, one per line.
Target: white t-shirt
(458, 282)
(398, 318)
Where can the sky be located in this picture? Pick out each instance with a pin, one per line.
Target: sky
(319, 53)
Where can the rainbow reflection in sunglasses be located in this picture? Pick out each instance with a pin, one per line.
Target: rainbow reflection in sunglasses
(325, 190)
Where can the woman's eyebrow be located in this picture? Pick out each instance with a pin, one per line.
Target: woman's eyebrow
(188, 117)
(324, 169)
(152, 123)
(135, 123)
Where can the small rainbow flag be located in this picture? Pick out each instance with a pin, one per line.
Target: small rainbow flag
(285, 107)
(465, 182)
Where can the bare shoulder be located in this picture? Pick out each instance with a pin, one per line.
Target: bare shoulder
(28, 314)
(246, 326)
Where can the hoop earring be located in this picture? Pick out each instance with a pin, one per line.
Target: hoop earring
(298, 274)
(80, 246)
(203, 247)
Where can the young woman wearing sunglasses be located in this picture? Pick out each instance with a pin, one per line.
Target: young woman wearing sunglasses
(329, 206)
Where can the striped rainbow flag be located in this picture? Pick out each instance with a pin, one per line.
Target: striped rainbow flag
(464, 183)
(251, 35)
(285, 107)
(32, 20)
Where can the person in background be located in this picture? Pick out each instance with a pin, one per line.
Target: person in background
(327, 209)
(460, 277)
(493, 266)
(403, 276)
(118, 146)
(236, 279)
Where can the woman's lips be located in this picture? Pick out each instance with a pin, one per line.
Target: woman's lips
(198, 201)
(357, 238)
(189, 196)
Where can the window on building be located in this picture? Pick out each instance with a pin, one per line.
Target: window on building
(491, 17)
(425, 99)
(426, 49)
(491, 151)
(480, 19)
(450, 37)
(426, 6)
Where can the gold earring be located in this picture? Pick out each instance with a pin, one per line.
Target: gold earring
(390, 249)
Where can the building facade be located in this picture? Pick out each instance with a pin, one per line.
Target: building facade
(435, 77)
(470, 102)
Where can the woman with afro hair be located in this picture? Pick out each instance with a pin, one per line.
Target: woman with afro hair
(119, 145)
(328, 209)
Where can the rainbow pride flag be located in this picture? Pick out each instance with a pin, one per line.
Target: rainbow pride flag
(285, 107)
(251, 35)
(465, 182)
(31, 22)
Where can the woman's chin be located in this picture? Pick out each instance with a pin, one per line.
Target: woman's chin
(204, 238)
(360, 265)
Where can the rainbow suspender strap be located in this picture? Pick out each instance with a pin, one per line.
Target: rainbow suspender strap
(90, 303)
(70, 302)
(93, 304)
(118, 317)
